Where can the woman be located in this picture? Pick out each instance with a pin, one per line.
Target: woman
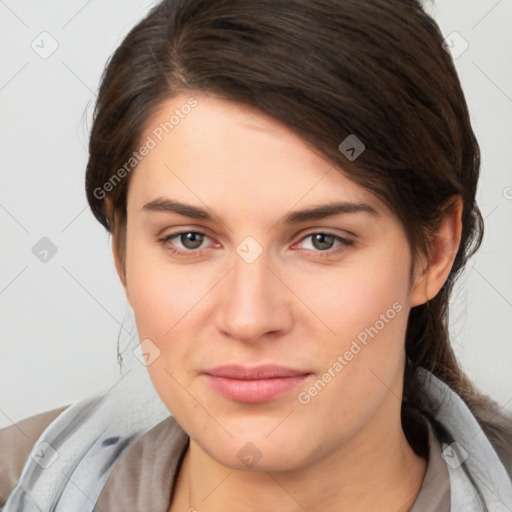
(290, 187)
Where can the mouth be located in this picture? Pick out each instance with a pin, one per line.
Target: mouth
(254, 384)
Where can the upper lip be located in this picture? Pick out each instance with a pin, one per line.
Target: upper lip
(267, 371)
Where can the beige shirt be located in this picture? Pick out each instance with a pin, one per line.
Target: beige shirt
(144, 477)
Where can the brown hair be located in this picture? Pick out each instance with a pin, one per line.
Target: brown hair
(326, 69)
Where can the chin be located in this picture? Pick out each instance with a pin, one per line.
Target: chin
(259, 454)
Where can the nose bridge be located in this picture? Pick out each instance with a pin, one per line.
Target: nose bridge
(250, 278)
(253, 303)
(250, 274)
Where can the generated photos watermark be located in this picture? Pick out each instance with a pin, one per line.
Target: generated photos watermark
(151, 142)
(357, 345)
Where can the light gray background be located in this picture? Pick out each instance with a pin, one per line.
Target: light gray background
(60, 319)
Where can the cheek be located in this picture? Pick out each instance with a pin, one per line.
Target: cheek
(364, 309)
(352, 296)
(160, 293)
(161, 297)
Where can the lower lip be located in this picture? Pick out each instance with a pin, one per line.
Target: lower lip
(254, 391)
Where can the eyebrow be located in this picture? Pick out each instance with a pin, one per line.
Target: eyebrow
(295, 217)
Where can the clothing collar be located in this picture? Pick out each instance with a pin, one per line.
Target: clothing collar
(478, 479)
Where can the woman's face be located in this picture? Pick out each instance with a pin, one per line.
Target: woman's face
(256, 282)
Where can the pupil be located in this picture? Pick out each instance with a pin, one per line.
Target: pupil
(319, 241)
(191, 240)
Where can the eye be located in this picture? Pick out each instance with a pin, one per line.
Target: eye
(322, 242)
(190, 241)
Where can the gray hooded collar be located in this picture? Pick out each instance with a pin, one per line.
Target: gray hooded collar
(74, 456)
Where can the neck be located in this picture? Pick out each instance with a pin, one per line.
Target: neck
(374, 470)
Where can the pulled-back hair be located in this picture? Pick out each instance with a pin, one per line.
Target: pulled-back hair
(326, 69)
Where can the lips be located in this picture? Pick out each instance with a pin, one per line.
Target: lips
(254, 384)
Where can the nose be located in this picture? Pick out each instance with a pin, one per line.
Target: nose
(254, 303)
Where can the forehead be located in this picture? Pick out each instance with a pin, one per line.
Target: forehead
(218, 149)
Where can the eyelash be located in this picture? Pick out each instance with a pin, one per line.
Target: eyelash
(316, 253)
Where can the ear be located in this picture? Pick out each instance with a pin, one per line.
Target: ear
(443, 249)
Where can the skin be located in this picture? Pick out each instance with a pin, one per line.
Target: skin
(296, 305)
